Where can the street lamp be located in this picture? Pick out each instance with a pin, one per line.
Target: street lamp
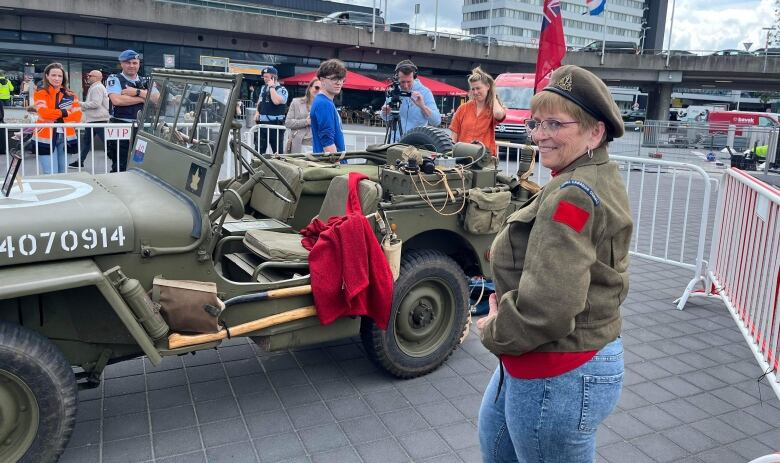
(766, 45)
(642, 39)
(669, 46)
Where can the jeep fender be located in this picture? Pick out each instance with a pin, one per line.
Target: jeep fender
(26, 280)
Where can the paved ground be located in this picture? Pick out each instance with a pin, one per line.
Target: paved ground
(691, 395)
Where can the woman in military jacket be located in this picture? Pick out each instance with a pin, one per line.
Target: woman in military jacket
(560, 268)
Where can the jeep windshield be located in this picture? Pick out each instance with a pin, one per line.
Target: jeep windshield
(188, 115)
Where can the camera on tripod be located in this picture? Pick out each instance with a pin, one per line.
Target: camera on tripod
(394, 93)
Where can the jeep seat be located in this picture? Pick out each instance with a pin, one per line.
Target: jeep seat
(266, 203)
(317, 176)
(277, 246)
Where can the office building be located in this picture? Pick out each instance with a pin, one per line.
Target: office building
(519, 21)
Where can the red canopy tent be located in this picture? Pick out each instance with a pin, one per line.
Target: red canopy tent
(440, 88)
(354, 81)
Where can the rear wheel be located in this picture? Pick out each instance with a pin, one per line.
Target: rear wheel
(37, 397)
(427, 318)
(428, 138)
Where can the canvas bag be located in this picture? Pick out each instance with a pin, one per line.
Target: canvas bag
(485, 212)
(190, 306)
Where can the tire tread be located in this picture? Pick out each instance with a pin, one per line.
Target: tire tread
(26, 346)
(372, 336)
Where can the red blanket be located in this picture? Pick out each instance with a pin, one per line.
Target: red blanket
(349, 272)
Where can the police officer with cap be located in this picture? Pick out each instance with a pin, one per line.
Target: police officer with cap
(560, 268)
(271, 108)
(127, 93)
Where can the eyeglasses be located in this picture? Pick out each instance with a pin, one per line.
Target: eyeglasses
(337, 80)
(550, 126)
(316, 87)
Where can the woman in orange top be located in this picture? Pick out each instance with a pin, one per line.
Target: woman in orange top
(477, 119)
(55, 103)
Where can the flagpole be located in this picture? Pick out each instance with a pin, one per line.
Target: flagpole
(490, 26)
(604, 41)
(669, 45)
(436, 25)
(373, 21)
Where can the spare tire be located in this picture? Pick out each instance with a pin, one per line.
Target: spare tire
(428, 138)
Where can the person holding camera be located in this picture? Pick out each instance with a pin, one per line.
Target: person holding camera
(409, 100)
(477, 119)
(271, 108)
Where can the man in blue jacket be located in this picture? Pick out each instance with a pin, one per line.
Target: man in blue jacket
(417, 110)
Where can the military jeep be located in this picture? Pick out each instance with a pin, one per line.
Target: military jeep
(79, 252)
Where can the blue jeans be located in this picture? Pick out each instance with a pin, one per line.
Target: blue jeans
(57, 162)
(551, 420)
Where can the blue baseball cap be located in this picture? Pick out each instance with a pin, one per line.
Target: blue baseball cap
(127, 55)
(271, 70)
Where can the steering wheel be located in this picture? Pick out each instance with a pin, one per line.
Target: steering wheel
(276, 175)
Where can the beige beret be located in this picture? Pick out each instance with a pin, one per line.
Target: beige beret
(590, 93)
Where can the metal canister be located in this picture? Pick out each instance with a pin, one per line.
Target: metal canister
(145, 310)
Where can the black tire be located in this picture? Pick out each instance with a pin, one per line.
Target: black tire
(427, 318)
(37, 397)
(428, 138)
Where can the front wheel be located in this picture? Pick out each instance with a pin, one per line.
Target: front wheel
(427, 318)
(37, 397)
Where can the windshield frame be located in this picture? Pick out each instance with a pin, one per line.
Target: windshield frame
(150, 123)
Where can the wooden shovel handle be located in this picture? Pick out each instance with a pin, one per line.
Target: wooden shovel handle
(289, 292)
(176, 340)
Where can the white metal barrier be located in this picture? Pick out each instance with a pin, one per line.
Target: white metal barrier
(355, 140)
(744, 265)
(87, 155)
(670, 204)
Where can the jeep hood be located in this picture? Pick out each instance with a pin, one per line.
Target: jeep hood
(80, 215)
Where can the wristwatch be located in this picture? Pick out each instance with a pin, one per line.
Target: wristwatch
(138, 92)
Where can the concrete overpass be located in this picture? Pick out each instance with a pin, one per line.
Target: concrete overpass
(180, 24)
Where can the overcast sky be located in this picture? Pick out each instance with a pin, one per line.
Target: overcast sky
(698, 24)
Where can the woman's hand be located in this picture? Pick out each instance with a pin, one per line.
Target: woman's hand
(493, 304)
(498, 111)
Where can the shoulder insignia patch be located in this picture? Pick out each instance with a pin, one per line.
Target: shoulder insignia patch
(584, 187)
(112, 80)
(571, 216)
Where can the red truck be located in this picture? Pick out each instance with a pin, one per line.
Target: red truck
(515, 91)
(719, 121)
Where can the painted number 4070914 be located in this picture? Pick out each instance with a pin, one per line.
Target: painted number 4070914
(66, 241)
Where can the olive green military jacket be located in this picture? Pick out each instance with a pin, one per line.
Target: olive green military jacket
(560, 265)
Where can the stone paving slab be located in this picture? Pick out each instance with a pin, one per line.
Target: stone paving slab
(691, 395)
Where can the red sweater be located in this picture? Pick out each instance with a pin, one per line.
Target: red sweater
(349, 272)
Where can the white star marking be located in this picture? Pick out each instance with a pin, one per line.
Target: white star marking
(30, 194)
(49, 192)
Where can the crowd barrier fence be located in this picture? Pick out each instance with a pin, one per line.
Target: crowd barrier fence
(744, 265)
(20, 138)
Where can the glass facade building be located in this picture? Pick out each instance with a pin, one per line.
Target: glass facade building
(519, 21)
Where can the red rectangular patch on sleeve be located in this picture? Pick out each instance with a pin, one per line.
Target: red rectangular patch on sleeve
(571, 215)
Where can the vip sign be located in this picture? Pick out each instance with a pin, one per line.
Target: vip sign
(117, 133)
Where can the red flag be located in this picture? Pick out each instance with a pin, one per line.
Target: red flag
(552, 45)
